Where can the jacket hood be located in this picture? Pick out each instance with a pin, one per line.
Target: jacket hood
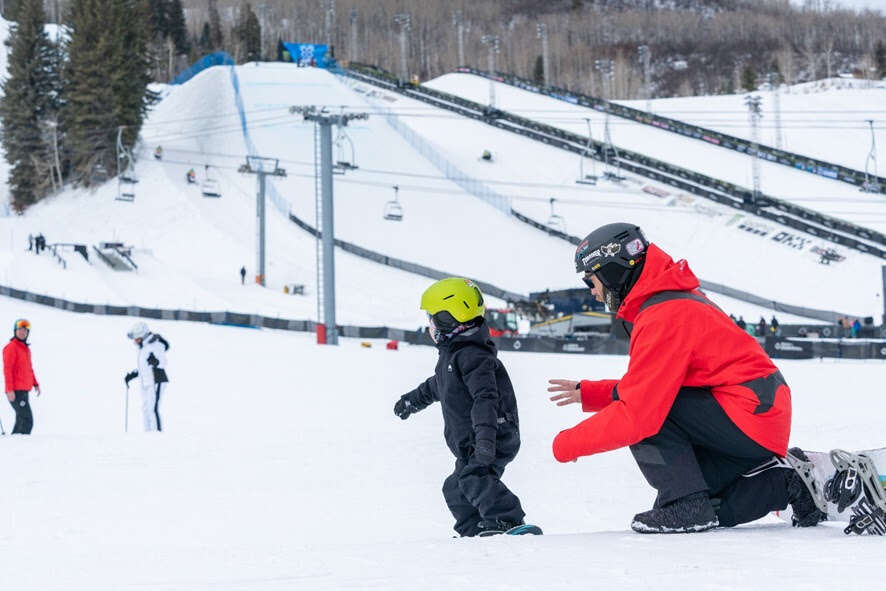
(660, 273)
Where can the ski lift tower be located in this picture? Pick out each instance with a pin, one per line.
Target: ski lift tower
(323, 121)
(263, 167)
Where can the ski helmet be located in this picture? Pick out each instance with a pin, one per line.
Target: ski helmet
(139, 330)
(21, 323)
(453, 301)
(615, 254)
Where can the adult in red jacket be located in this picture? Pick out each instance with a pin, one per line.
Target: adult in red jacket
(700, 405)
(18, 374)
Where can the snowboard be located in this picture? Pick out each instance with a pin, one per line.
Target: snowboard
(517, 530)
(525, 529)
(860, 487)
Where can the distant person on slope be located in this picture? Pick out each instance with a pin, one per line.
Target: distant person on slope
(479, 411)
(704, 410)
(242, 275)
(191, 176)
(158, 153)
(19, 376)
(151, 368)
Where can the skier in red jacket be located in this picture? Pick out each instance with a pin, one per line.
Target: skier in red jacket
(19, 376)
(706, 413)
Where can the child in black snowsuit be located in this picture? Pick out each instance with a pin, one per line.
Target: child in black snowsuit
(479, 411)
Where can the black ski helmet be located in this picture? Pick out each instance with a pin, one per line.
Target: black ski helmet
(615, 254)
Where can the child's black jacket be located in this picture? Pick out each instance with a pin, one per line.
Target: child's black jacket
(474, 390)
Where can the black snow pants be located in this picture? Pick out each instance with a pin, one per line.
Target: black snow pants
(700, 449)
(475, 493)
(24, 420)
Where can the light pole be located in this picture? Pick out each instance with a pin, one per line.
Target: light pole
(776, 103)
(871, 185)
(353, 53)
(541, 30)
(460, 35)
(494, 45)
(405, 21)
(329, 21)
(645, 60)
(755, 114)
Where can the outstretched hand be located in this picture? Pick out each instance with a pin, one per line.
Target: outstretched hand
(567, 392)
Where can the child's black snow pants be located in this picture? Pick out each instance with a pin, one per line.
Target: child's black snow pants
(475, 493)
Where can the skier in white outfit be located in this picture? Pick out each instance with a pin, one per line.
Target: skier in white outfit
(151, 370)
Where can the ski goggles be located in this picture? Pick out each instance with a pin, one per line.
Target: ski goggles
(586, 278)
(22, 323)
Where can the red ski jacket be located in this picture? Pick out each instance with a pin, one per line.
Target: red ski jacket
(679, 338)
(17, 369)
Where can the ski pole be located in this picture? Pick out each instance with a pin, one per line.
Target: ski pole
(2, 432)
(126, 412)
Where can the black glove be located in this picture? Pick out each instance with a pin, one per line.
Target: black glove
(843, 489)
(484, 452)
(403, 408)
(130, 376)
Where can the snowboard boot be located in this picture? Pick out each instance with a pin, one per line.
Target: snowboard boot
(496, 528)
(805, 493)
(693, 513)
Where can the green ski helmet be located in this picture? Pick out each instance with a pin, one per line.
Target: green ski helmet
(453, 301)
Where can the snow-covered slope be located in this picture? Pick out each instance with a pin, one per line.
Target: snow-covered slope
(189, 248)
(274, 473)
(848, 147)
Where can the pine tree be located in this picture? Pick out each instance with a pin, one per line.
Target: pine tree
(250, 34)
(215, 28)
(105, 82)
(880, 58)
(748, 78)
(160, 17)
(178, 29)
(28, 104)
(204, 42)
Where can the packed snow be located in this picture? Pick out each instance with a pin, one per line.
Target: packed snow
(274, 472)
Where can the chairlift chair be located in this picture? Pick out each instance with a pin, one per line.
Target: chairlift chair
(342, 142)
(393, 210)
(125, 191)
(556, 221)
(586, 179)
(209, 187)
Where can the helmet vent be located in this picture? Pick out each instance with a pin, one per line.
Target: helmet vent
(452, 295)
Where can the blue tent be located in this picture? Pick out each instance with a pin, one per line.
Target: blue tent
(314, 54)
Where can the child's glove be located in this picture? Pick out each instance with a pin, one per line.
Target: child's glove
(130, 376)
(484, 452)
(403, 408)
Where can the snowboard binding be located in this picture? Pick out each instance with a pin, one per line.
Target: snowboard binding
(856, 486)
